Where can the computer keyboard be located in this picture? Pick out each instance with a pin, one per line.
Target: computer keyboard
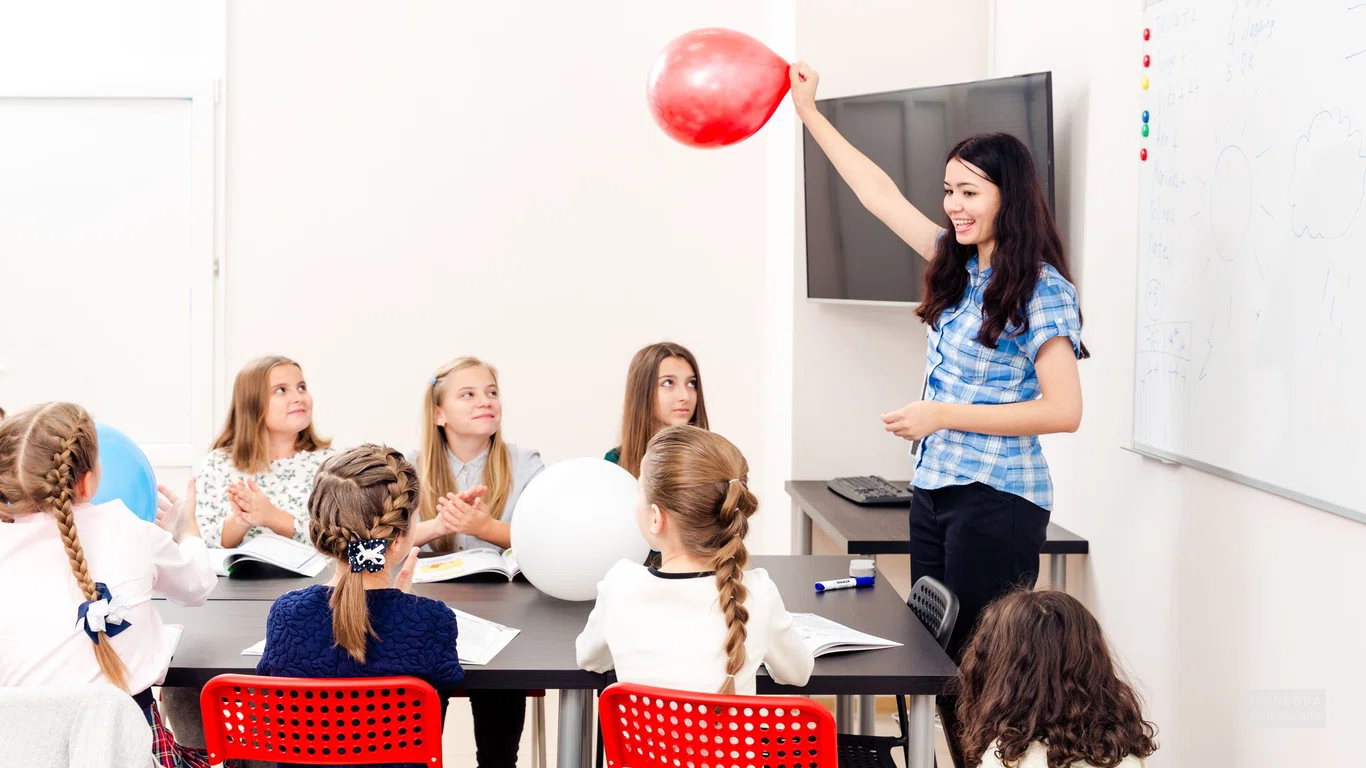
(869, 490)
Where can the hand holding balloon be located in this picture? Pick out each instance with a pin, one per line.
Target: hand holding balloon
(804, 80)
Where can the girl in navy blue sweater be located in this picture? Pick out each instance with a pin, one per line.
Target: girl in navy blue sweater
(364, 623)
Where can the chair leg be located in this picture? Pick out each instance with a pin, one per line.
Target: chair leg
(538, 750)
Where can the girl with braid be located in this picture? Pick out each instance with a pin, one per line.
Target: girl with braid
(364, 623)
(79, 578)
(698, 621)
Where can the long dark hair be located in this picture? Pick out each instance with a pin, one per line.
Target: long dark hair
(1038, 669)
(638, 420)
(1026, 239)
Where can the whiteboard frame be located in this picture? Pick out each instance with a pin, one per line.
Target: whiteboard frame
(205, 352)
(1237, 477)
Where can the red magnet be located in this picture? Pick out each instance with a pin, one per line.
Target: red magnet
(1142, 154)
(1146, 34)
(1146, 61)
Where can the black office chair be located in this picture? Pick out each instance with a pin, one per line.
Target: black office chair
(937, 609)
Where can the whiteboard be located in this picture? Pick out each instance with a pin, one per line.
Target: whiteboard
(1251, 308)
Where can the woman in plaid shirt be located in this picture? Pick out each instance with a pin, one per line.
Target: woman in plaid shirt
(1004, 337)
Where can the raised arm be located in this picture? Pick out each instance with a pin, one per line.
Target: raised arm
(874, 188)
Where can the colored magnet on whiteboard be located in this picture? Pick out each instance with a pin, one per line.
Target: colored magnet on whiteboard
(1142, 154)
(1146, 61)
(1146, 34)
(1145, 115)
(1145, 83)
(1145, 130)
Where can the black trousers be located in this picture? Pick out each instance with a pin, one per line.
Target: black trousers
(981, 543)
(498, 720)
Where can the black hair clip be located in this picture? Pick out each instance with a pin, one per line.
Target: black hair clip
(366, 554)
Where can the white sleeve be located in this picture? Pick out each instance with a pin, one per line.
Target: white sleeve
(789, 661)
(591, 648)
(211, 506)
(182, 572)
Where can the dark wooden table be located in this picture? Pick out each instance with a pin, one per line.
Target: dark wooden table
(543, 655)
(886, 530)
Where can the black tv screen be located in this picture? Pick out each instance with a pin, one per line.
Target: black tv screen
(850, 255)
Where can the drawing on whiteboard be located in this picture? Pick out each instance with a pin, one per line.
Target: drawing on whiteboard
(1328, 178)
(1168, 339)
(1231, 202)
(1153, 299)
(1209, 350)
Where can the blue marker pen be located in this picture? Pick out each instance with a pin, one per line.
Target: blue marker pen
(857, 581)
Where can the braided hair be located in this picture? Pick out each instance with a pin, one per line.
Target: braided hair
(45, 452)
(701, 480)
(369, 492)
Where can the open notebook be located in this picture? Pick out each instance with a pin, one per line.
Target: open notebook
(479, 639)
(823, 636)
(466, 563)
(276, 550)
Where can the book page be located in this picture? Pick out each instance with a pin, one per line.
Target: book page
(479, 640)
(286, 553)
(458, 564)
(218, 559)
(172, 634)
(821, 636)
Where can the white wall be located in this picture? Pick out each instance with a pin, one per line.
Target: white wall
(1210, 589)
(853, 363)
(410, 182)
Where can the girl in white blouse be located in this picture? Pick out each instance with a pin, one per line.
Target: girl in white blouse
(699, 621)
(259, 475)
(78, 579)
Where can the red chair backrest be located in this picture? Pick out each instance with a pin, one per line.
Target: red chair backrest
(322, 722)
(643, 726)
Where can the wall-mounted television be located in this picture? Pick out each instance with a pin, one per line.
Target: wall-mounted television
(853, 257)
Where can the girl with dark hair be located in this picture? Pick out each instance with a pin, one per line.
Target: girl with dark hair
(1003, 340)
(1038, 689)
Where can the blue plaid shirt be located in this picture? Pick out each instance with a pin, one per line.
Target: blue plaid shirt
(958, 369)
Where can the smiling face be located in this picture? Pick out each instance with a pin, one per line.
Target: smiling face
(675, 391)
(289, 406)
(972, 202)
(470, 406)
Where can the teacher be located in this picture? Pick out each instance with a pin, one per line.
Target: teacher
(1003, 340)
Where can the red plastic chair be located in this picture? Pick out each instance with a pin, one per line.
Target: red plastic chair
(643, 726)
(322, 722)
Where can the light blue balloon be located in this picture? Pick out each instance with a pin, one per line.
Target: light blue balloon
(126, 474)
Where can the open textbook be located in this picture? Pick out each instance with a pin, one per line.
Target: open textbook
(823, 636)
(274, 550)
(478, 640)
(466, 563)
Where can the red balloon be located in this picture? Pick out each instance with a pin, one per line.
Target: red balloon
(713, 87)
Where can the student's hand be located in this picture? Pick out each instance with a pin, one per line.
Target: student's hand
(405, 574)
(915, 421)
(447, 520)
(462, 516)
(175, 514)
(251, 506)
(804, 81)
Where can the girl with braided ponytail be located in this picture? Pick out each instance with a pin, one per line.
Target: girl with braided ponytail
(364, 623)
(84, 611)
(698, 621)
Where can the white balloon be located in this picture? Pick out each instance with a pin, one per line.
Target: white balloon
(573, 522)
